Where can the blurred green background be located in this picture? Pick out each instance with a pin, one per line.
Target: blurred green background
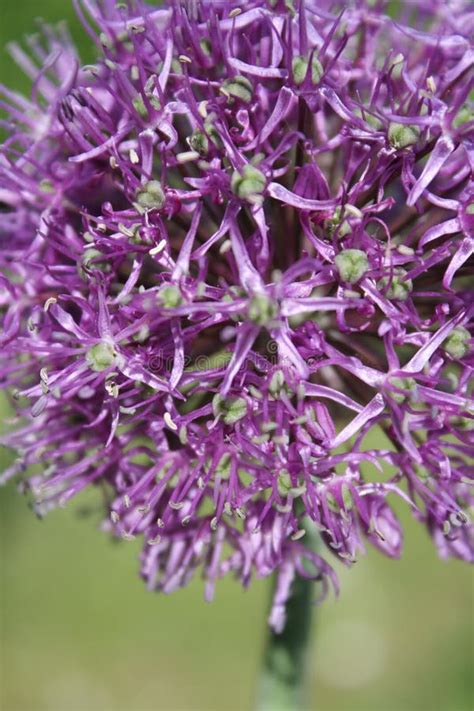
(79, 632)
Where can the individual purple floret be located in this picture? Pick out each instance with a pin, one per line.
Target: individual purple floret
(236, 289)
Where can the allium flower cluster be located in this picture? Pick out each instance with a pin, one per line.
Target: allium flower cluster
(235, 258)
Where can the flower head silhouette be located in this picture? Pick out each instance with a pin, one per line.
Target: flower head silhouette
(231, 249)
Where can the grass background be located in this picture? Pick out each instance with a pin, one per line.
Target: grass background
(79, 632)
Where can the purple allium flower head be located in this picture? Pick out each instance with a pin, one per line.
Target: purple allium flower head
(235, 287)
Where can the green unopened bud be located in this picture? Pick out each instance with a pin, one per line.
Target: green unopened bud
(470, 209)
(402, 135)
(238, 87)
(249, 184)
(457, 343)
(151, 196)
(300, 69)
(198, 142)
(230, 409)
(352, 264)
(170, 296)
(101, 356)
(262, 310)
(398, 288)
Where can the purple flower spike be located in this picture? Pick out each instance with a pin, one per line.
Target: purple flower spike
(235, 252)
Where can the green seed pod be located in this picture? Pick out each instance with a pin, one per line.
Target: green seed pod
(465, 424)
(277, 383)
(198, 142)
(170, 296)
(139, 106)
(89, 262)
(300, 69)
(262, 310)
(223, 467)
(397, 66)
(46, 186)
(406, 384)
(402, 135)
(238, 87)
(352, 264)
(398, 288)
(257, 158)
(332, 502)
(101, 356)
(464, 115)
(369, 118)
(249, 184)
(284, 483)
(230, 409)
(142, 335)
(457, 343)
(334, 223)
(373, 121)
(206, 46)
(317, 70)
(105, 40)
(346, 497)
(151, 196)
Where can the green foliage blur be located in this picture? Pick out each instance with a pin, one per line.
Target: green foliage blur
(79, 631)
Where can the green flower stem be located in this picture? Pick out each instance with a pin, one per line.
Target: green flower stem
(283, 678)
